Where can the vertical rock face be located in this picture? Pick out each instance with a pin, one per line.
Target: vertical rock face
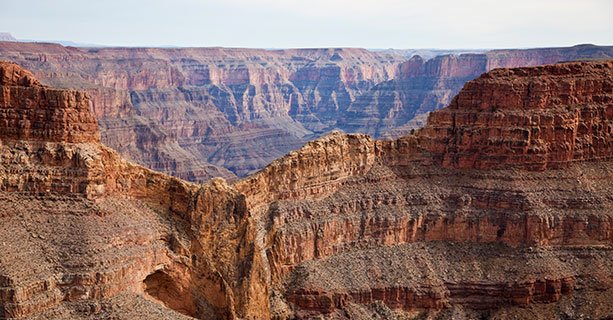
(33, 112)
(346, 226)
(198, 113)
(393, 108)
(85, 232)
(487, 125)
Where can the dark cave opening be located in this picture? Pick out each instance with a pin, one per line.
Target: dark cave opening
(162, 288)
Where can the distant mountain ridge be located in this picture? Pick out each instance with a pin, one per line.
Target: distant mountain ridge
(6, 36)
(197, 113)
(428, 54)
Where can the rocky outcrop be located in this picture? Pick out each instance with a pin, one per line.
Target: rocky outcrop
(197, 113)
(487, 124)
(315, 171)
(390, 108)
(345, 227)
(324, 247)
(84, 231)
(32, 112)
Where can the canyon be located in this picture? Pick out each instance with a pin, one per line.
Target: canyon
(199, 113)
(499, 207)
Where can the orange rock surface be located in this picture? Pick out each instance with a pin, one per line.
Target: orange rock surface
(487, 125)
(199, 113)
(463, 219)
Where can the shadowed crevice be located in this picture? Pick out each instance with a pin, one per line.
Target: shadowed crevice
(162, 288)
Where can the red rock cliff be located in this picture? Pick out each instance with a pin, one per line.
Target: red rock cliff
(85, 231)
(356, 243)
(31, 111)
(343, 227)
(539, 117)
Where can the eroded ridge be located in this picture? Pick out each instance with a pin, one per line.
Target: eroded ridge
(465, 218)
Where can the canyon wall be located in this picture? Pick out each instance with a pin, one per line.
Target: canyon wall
(47, 114)
(198, 113)
(193, 112)
(395, 107)
(84, 232)
(487, 126)
(464, 217)
(452, 221)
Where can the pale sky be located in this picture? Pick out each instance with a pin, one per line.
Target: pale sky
(313, 23)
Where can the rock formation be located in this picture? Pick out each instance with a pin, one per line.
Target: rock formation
(193, 112)
(394, 107)
(486, 125)
(86, 233)
(468, 218)
(452, 220)
(198, 113)
(33, 112)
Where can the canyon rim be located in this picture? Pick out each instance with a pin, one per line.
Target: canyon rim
(499, 206)
(289, 160)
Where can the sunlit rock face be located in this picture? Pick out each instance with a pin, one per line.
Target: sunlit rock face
(393, 108)
(85, 233)
(198, 113)
(447, 222)
(464, 218)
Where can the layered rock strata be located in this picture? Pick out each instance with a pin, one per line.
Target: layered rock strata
(451, 222)
(486, 125)
(394, 107)
(192, 112)
(453, 216)
(84, 232)
(198, 113)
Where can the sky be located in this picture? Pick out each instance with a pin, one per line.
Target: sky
(400, 24)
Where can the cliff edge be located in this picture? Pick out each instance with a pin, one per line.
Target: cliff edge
(499, 207)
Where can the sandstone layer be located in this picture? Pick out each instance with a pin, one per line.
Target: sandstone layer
(394, 107)
(193, 112)
(85, 233)
(467, 218)
(486, 125)
(198, 113)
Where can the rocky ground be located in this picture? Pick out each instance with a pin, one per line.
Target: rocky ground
(500, 207)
